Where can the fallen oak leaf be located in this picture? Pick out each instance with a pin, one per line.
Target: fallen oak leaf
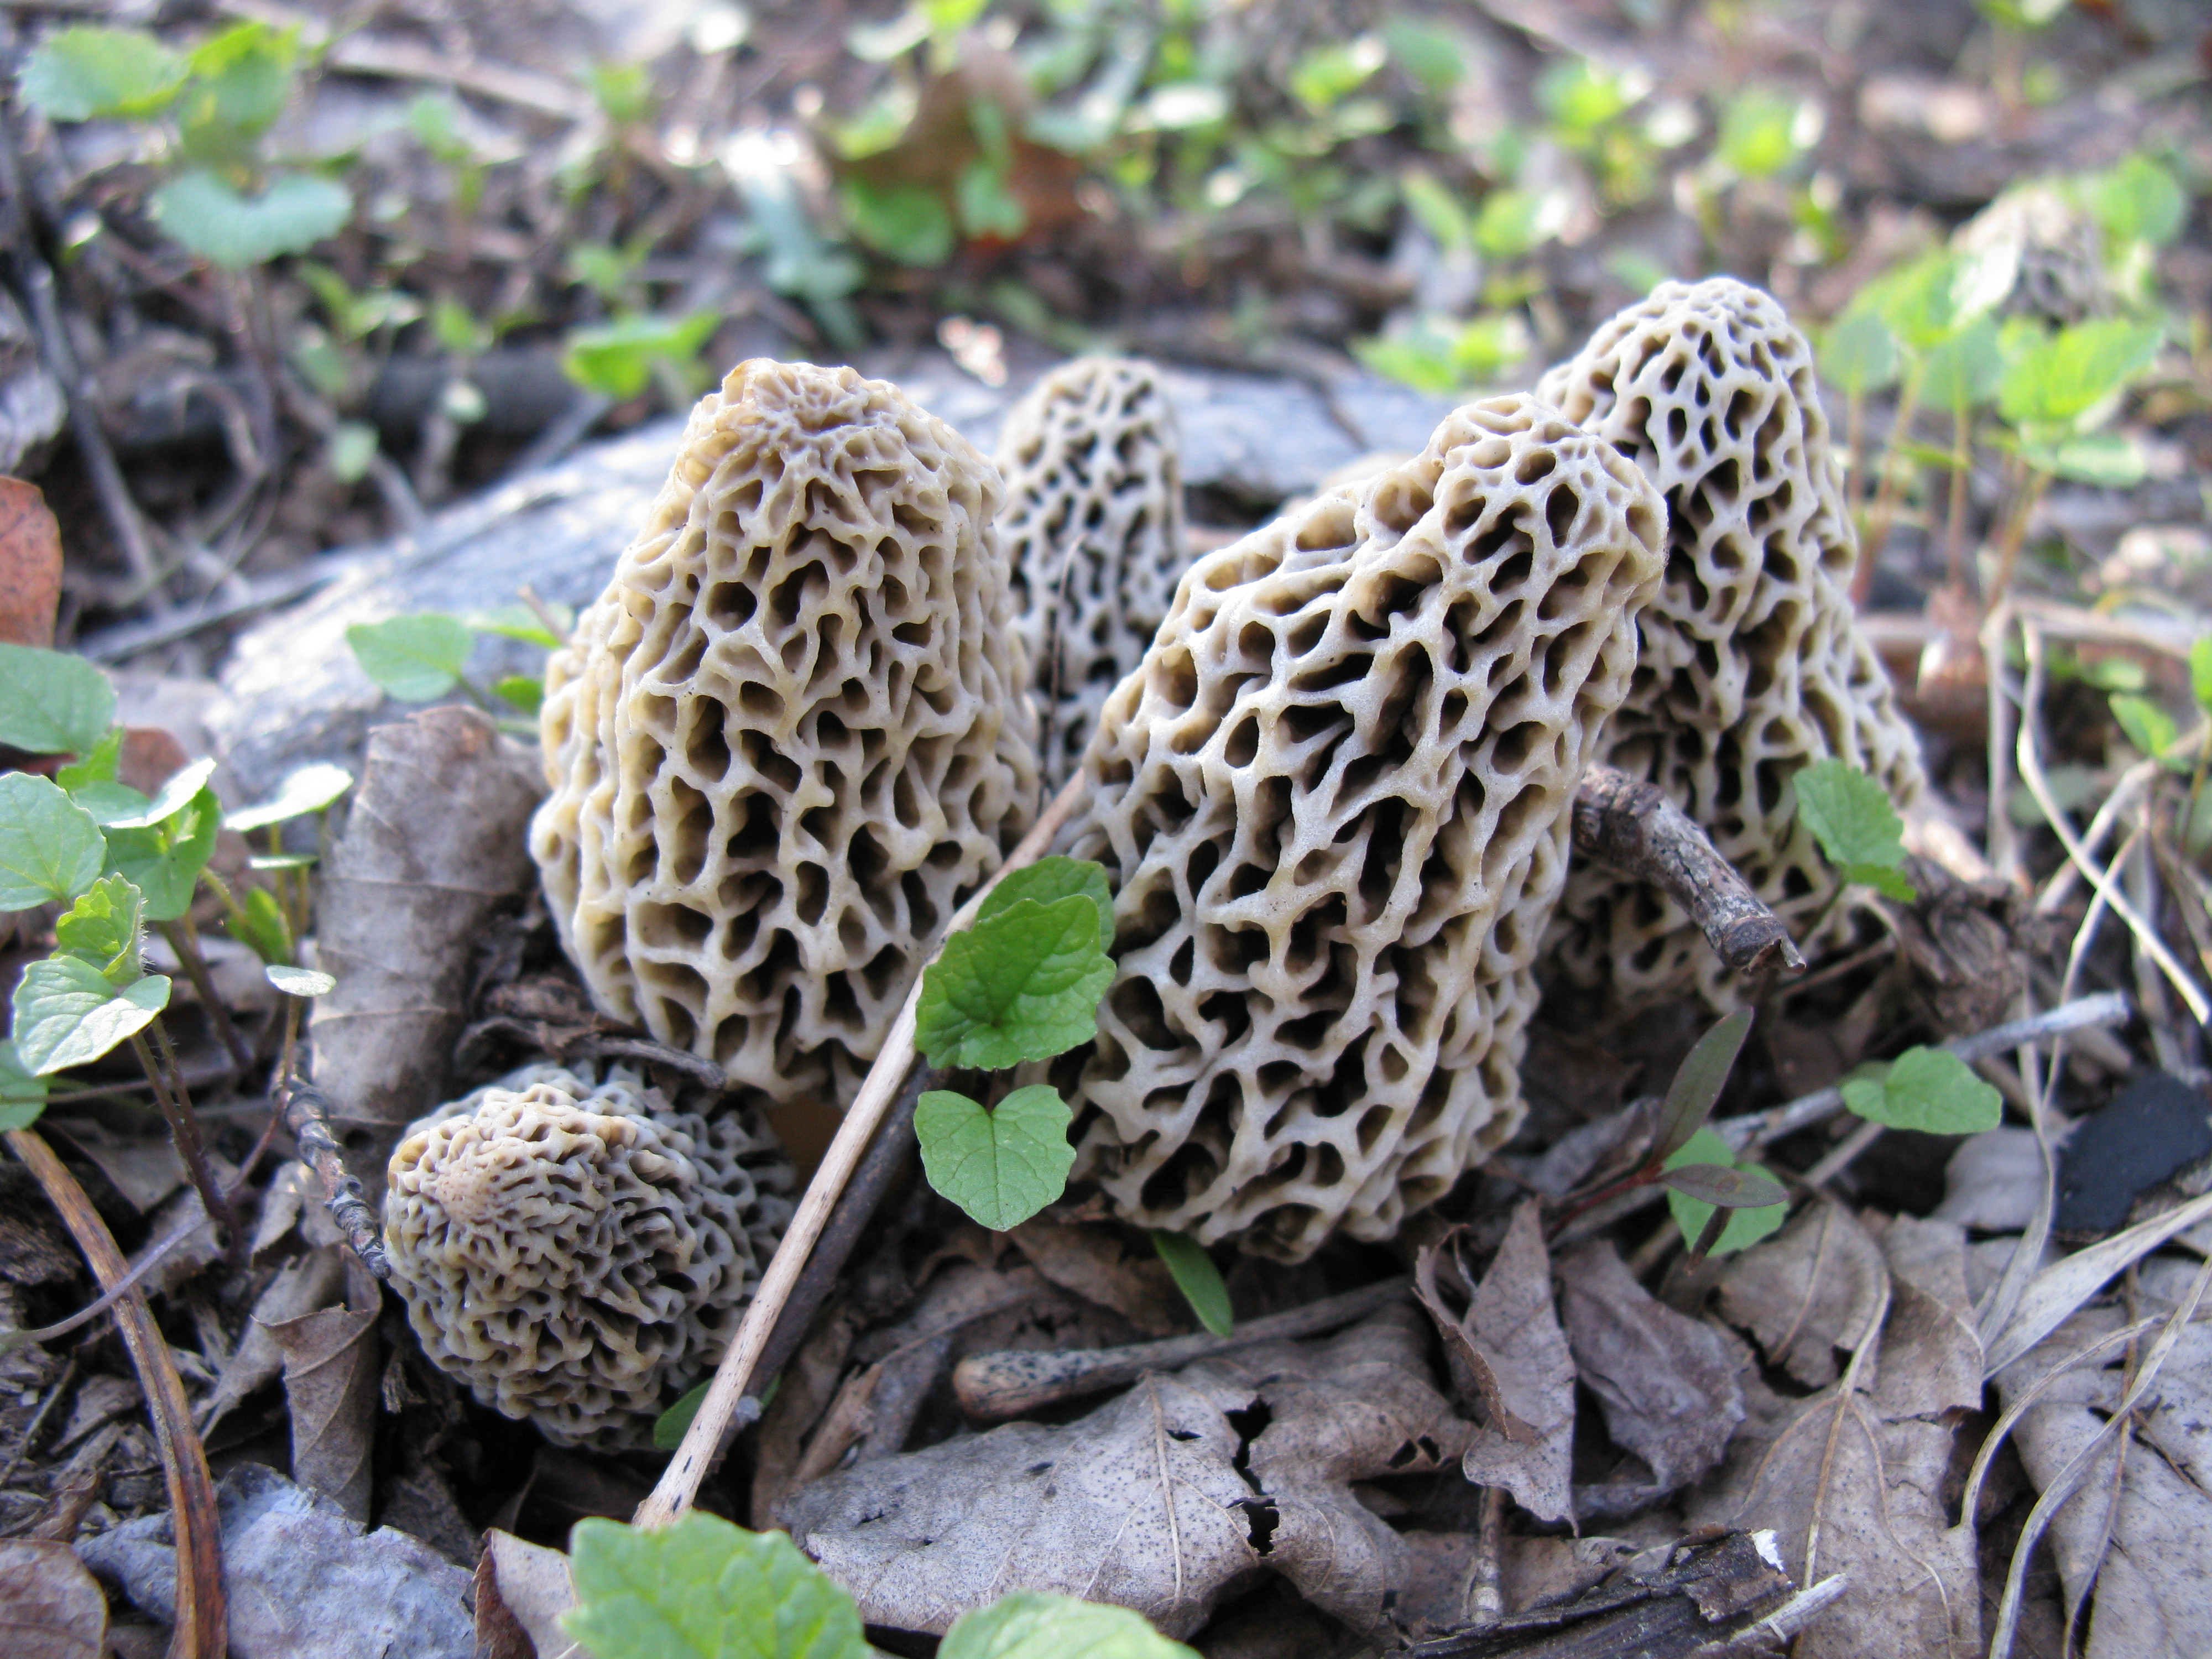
(1813, 1288)
(30, 565)
(330, 1389)
(50, 1606)
(1160, 1500)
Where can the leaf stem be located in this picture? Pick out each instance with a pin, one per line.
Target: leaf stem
(185, 1131)
(185, 941)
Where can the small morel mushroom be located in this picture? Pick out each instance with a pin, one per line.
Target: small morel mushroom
(794, 734)
(1093, 528)
(1335, 800)
(579, 1254)
(1751, 664)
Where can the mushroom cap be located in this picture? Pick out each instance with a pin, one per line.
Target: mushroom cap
(1335, 799)
(580, 1253)
(1751, 666)
(793, 735)
(1094, 532)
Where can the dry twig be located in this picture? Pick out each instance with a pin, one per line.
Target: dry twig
(307, 1114)
(202, 1622)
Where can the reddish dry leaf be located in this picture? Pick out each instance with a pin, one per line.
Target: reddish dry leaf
(1669, 1385)
(1814, 1287)
(30, 565)
(50, 1607)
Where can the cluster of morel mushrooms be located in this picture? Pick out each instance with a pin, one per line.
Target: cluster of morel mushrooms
(1331, 769)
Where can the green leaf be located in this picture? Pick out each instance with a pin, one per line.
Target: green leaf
(702, 1589)
(624, 92)
(1332, 72)
(308, 789)
(1883, 879)
(182, 787)
(2138, 201)
(22, 1096)
(1929, 1089)
(51, 703)
(77, 73)
(349, 450)
(1431, 55)
(2149, 727)
(241, 79)
(1698, 1082)
(1851, 815)
(909, 222)
(2109, 460)
(262, 929)
(1197, 1278)
(413, 659)
(1031, 1625)
(519, 622)
(98, 767)
(1001, 1165)
(987, 207)
(2055, 382)
(2200, 672)
(1047, 881)
(68, 1014)
(1926, 302)
(672, 1424)
(617, 359)
(1859, 354)
(523, 691)
(299, 982)
(210, 218)
(1763, 132)
(102, 928)
(1023, 985)
(164, 861)
(49, 848)
(1745, 1226)
(1960, 374)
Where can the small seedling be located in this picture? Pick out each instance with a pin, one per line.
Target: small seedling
(1023, 984)
(418, 658)
(1851, 815)
(1929, 1089)
(1197, 1278)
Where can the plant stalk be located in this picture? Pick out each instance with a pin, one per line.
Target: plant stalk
(184, 1132)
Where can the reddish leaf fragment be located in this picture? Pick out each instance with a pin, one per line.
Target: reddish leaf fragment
(30, 565)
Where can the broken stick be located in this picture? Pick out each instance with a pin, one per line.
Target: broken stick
(307, 1114)
(993, 1387)
(1633, 827)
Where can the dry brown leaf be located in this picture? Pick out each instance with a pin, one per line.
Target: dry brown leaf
(331, 1385)
(534, 1587)
(433, 849)
(1669, 1385)
(30, 565)
(1814, 1287)
(50, 1606)
(1098, 1264)
(1509, 1343)
(1853, 1482)
(302, 1285)
(1158, 1501)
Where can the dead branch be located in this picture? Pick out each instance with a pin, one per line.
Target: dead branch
(307, 1114)
(1630, 826)
(993, 1387)
(202, 1620)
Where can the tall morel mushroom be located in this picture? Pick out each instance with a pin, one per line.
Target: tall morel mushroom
(1751, 664)
(580, 1253)
(1093, 528)
(793, 733)
(1335, 800)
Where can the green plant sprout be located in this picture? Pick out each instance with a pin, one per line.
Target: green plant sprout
(1677, 1159)
(117, 862)
(703, 1588)
(1851, 815)
(1021, 983)
(425, 655)
(1929, 1089)
(228, 202)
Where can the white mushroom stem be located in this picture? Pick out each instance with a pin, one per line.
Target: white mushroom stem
(679, 1481)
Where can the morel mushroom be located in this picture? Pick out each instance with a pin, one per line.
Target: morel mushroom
(794, 734)
(579, 1254)
(1335, 801)
(1093, 528)
(1751, 665)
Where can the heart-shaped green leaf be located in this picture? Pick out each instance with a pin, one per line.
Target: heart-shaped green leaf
(68, 1014)
(210, 219)
(49, 848)
(1050, 880)
(413, 659)
(1929, 1089)
(164, 859)
(1023, 984)
(702, 1589)
(1001, 1165)
(51, 703)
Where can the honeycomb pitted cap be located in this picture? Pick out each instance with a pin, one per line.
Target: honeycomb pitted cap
(793, 735)
(1335, 799)
(1094, 532)
(1751, 666)
(581, 1253)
